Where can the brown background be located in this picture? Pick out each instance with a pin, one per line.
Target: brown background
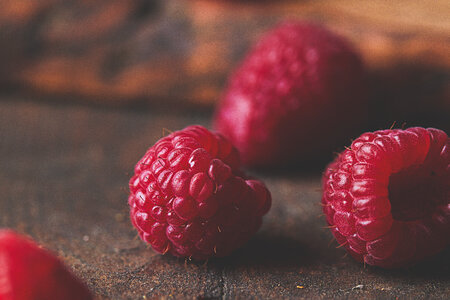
(63, 180)
(115, 50)
(87, 86)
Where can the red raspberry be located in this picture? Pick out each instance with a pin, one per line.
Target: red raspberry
(188, 197)
(28, 272)
(299, 79)
(387, 197)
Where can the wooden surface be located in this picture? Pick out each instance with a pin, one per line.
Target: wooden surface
(122, 51)
(63, 180)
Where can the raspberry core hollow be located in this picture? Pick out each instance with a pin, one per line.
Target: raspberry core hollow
(387, 198)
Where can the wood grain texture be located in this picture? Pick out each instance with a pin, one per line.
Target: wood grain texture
(118, 51)
(63, 180)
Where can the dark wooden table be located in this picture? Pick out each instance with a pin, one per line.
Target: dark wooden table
(63, 180)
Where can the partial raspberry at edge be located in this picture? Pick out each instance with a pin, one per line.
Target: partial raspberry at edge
(387, 198)
(299, 94)
(28, 272)
(189, 198)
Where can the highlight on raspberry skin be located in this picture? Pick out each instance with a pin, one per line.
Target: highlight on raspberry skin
(28, 272)
(386, 198)
(295, 82)
(189, 198)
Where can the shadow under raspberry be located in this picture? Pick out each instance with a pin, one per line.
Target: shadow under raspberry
(434, 267)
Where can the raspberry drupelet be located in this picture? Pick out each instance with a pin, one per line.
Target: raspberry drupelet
(387, 198)
(29, 272)
(188, 196)
(296, 81)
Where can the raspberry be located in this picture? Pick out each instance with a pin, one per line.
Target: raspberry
(387, 197)
(28, 272)
(298, 79)
(188, 197)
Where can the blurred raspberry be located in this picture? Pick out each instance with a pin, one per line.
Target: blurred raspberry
(28, 272)
(188, 197)
(299, 94)
(387, 197)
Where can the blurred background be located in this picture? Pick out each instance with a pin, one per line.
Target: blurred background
(87, 86)
(155, 53)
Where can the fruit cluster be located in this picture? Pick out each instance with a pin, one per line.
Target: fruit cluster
(299, 93)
